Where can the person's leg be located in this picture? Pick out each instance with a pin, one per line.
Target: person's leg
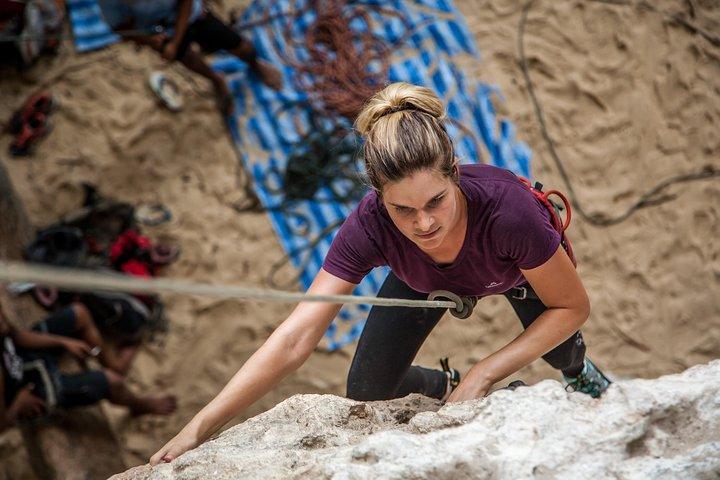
(194, 62)
(389, 342)
(268, 74)
(61, 322)
(569, 356)
(212, 34)
(119, 394)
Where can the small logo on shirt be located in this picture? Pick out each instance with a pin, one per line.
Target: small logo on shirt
(493, 284)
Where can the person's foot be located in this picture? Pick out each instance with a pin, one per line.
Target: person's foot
(163, 405)
(453, 378)
(590, 381)
(224, 98)
(268, 74)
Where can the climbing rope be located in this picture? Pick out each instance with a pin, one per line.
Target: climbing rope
(654, 195)
(93, 281)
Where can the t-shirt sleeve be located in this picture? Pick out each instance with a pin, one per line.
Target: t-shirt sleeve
(352, 253)
(523, 232)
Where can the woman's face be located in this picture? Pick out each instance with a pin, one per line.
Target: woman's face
(423, 206)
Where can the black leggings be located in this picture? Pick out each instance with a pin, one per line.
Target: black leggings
(381, 368)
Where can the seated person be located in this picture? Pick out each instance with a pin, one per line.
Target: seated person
(72, 329)
(192, 24)
(31, 383)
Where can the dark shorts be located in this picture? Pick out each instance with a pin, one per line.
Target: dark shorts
(62, 389)
(55, 387)
(211, 34)
(65, 390)
(61, 322)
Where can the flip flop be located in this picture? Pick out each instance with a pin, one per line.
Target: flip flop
(152, 214)
(31, 131)
(164, 254)
(41, 102)
(166, 90)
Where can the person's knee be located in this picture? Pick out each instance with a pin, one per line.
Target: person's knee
(361, 388)
(355, 392)
(568, 354)
(115, 380)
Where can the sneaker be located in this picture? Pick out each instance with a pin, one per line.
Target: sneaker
(453, 378)
(591, 381)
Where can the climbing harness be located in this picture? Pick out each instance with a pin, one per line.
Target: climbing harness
(464, 305)
(554, 209)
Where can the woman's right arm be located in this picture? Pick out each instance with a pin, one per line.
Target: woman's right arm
(283, 352)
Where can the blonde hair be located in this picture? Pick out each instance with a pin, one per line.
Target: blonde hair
(404, 133)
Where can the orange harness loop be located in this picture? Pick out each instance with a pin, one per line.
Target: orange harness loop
(557, 222)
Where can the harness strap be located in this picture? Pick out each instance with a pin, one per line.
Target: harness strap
(554, 209)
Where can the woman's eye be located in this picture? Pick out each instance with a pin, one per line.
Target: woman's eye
(435, 202)
(402, 210)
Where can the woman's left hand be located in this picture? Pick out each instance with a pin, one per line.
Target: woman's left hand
(474, 385)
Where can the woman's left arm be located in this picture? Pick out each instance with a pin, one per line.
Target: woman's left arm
(559, 287)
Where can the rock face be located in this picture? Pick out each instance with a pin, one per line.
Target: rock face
(667, 428)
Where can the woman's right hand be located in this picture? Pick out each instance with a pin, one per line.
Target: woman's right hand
(283, 352)
(179, 444)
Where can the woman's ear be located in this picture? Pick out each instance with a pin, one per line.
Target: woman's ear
(456, 171)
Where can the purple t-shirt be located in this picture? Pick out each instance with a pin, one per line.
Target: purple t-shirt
(508, 229)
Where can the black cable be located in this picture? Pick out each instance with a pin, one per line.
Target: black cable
(651, 197)
(675, 17)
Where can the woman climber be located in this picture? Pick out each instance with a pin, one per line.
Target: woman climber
(475, 230)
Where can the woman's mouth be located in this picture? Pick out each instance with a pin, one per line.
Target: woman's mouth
(426, 236)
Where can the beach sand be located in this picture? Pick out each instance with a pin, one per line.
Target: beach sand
(629, 100)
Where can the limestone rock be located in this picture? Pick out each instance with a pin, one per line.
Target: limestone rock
(665, 428)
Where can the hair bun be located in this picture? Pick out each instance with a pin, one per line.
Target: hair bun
(397, 97)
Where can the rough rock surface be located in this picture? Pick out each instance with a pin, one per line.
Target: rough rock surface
(641, 429)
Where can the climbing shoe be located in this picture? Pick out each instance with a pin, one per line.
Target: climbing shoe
(591, 381)
(453, 378)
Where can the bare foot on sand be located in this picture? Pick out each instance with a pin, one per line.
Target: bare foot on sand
(163, 405)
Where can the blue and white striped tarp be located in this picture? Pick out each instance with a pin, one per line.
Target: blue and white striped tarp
(432, 56)
(90, 31)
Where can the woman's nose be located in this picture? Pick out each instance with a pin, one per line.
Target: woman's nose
(424, 221)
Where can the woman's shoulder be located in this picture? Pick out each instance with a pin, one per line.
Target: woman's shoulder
(486, 183)
(482, 173)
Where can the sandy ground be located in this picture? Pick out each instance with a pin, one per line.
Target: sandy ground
(629, 98)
